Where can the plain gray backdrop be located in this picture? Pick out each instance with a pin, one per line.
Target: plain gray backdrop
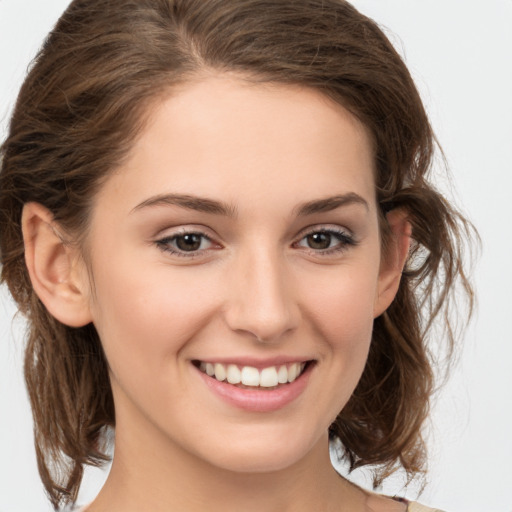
(460, 54)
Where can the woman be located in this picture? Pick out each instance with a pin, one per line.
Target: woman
(217, 220)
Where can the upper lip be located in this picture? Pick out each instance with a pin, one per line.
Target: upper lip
(255, 362)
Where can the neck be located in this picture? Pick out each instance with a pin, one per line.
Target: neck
(161, 478)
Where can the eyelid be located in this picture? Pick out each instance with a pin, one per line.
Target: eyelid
(163, 241)
(345, 236)
(326, 228)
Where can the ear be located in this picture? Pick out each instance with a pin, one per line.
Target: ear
(393, 259)
(56, 271)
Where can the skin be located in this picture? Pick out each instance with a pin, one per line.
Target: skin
(255, 288)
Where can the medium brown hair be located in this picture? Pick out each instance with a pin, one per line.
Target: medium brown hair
(78, 113)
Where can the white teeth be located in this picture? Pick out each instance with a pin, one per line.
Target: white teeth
(250, 376)
(282, 375)
(220, 372)
(268, 377)
(293, 372)
(233, 374)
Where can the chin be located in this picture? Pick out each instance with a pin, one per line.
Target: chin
(266, 454)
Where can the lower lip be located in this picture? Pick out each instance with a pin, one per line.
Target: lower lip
(258, 400)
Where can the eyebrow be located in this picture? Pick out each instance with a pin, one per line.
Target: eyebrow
(205, 205)
(199, 204)
(330, 203)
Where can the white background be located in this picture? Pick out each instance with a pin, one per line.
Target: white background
(460, 53)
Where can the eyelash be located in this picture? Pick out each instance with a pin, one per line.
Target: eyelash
(165, 244)
(345, 239)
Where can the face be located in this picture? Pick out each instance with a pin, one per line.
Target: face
(237, 271)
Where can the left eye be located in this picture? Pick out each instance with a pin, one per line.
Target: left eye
(324, 240)
(186, 242)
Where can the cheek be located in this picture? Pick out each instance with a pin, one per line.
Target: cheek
(342, 309)
(148, 314)
(348, 330)
(341, 313)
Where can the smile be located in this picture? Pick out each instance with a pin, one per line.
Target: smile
(251, 377)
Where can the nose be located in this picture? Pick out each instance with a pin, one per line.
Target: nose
(262, 302)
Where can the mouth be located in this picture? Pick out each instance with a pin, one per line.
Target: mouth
(249, 377)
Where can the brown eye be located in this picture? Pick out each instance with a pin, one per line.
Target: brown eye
(326, 241)
(186, 244)
(319, 241)
(189, 242)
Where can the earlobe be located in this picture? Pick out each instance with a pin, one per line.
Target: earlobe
(393, 259)
(54, 268)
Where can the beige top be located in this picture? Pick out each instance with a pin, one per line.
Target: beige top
(416, 507)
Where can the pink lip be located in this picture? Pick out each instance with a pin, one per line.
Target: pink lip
(257, 400)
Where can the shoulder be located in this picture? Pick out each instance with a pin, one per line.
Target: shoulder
(380, 503)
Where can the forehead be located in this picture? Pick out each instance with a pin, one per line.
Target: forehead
(224, 136)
